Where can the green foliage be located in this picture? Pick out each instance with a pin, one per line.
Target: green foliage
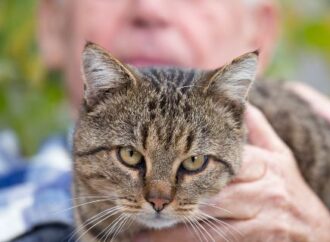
(31, 99)
(301, 33)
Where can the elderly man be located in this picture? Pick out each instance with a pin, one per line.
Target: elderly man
(203, 34)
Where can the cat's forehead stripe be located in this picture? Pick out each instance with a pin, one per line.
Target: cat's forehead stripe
(170, 97)
(170, 76)
(188, 77)
(189, 141)
(144, 132)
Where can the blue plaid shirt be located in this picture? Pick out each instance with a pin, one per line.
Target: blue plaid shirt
(34, 191)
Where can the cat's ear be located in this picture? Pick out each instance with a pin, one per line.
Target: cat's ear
(102, 72)
(234, 79)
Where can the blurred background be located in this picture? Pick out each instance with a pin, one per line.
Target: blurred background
(32, 99)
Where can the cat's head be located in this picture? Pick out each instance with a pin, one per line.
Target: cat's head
(159, 141)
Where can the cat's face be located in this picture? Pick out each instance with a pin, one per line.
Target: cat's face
(159, 142)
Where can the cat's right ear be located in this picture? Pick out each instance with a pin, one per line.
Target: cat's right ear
(233, 80)
(102, 72)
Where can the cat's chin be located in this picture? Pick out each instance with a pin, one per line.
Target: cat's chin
(157, 223)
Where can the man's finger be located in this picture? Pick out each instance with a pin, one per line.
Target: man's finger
(236, 201)
(261, 134)
(253, 166)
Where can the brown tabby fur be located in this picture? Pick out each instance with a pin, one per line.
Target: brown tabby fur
(168, 115)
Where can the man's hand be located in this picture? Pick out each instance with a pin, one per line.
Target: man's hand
(268, 201)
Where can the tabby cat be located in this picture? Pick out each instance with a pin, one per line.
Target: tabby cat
(152, 144)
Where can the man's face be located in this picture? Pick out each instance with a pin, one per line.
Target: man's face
(192, 33)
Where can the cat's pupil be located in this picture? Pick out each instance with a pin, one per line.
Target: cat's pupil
(131, 153)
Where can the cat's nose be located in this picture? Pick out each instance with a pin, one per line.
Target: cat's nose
(158, 203)
(159, 194)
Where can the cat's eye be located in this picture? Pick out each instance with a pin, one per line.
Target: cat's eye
(195, 163)
(129, 156)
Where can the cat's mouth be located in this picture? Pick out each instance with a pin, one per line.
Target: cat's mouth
(156, 220)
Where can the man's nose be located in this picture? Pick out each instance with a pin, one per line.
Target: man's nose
(150, 13)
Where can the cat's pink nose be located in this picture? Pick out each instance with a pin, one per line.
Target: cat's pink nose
(159, 194)
(158, 203)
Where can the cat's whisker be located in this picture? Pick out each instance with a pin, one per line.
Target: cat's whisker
(217, 207)
(173, 83)
(110, 228)
(111, 194)
(117, 228)
(79, 199)
(213, 227)
(96, 217)
(188, 226)
(195, 222)
(105, 217)
(104, 231)
(120, 227)
(93, 218)
(185, 223)
(178, 88)
(217, 230)
(223, 223)
(114, 195)
(131, 220)
(228, 230)
(100, 221)
(193, 227)
(79, 205)
(91, 197)
(201, 229)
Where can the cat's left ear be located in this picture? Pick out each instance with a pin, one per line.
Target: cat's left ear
(233, 80)
(103, 72)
